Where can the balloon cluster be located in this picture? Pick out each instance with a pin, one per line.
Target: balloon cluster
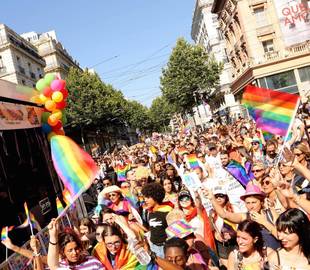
(53, 94)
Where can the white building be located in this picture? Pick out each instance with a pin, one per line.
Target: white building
(20, 62)
(206, 32)
(57, 59)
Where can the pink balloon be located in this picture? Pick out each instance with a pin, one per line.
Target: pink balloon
(57, 85)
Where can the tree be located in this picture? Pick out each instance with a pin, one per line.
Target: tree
(137, 115)
(190, 71)
(160, 113)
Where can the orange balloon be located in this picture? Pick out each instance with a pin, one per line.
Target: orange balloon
(52, 120)
(50, 105)
(57, 114)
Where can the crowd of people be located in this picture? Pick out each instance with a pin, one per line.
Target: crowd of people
(249, 210)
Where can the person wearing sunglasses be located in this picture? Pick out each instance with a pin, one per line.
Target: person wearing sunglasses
(302, 153)
(225, 236)
(256, 151)
(259, 172)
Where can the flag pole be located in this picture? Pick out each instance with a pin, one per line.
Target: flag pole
(287, 133)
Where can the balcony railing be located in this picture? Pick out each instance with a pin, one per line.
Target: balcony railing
(271, 56)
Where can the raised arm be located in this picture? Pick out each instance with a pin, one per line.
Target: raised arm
(53, 247)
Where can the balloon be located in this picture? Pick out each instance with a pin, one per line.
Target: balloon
(43, 98)
(52, 121)
(57, 114)
(60, 132)
(50, 135)
(61, 105)
(49, 77)
(47, 91)
(40, 85)
(64, 93)
(57, 96)
(45, 116)
(57, 85)
(50, 105)
(57, 126)
(46, 128)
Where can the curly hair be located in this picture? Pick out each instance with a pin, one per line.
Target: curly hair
(178, 243)
(154, 191)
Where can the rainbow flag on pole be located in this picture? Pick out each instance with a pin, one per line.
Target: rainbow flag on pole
(273, 111)
(59, 206)
(192, 161)
(75, 167)
(4, 233)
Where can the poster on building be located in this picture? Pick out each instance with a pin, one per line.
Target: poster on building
(294, 17)
(17, 116)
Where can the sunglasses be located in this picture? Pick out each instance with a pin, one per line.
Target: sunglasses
(265, 183)
(219, 195)
(255, 143)
(259, 170)
(184, 199)
(113, 195)
(298, 154)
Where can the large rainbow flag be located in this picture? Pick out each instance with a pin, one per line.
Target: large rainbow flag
(75, 167)
(273, 111)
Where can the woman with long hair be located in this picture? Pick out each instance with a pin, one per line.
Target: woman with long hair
(87, 234)
(170, 191)
(302, 153)
(293, 228)
(251, 253)
(65, 250)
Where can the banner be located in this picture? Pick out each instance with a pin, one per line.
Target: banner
(17, 116)
(294, 18)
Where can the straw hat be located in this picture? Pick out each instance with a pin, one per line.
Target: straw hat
(252, 190)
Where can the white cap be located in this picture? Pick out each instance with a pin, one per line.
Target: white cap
(219, 190)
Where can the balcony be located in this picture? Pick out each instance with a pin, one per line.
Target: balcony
(21, 70)
(271, 56)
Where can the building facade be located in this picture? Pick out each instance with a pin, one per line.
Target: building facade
(20, 61)
(267, 43)
(206, 32)
(57, 59)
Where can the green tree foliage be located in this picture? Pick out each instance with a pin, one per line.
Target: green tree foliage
(190, 69)
(138, 115)
(160, 113)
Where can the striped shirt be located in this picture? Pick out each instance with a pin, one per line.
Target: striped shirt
(90, 263)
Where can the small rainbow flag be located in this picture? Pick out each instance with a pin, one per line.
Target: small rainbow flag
(239, 172)
(132, 199)
(29, 221)
(182, 151)
(273, 111)
(192, 161)
(121, 171)
(74, 166)
(59, 206)
(34, 222)
(4, 233)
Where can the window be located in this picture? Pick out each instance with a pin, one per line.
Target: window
(262, 82)
(268, 45)
(260, 16)
(283, 80)
(304, 73)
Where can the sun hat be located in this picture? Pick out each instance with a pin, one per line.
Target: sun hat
(110, 189)
(219, 190)
(252, 190)
(179, 228)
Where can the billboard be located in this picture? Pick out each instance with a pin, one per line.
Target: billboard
(294, 17)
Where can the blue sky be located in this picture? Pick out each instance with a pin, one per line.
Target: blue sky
(127, 41)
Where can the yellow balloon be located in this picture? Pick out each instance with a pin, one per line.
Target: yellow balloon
(36, 99)
(57, 114)
(50, 135)
(57, 96)
(43, 98)
(50, 105)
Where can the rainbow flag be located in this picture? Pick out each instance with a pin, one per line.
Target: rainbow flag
(242, 174)
(132, 199)
(34, 222)
(273, 111)
(30, 220)
(59, 206)
(121, 171)
(192, 161)
(4, 233)
(74, 166)
(182, 151)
